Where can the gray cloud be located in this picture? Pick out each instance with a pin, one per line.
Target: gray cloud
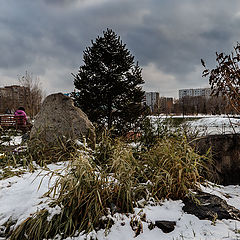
(57, 2)
(168, 38)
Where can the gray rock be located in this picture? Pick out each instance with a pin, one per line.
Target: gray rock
(210, 207)
(59, 118)
(166, 226)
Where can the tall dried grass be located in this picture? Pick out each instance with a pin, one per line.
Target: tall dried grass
(113, 180)
(174, 167)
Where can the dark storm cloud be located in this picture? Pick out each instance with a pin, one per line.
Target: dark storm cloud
(167, 37)
(177, 41)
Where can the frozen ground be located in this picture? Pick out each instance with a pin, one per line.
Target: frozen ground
(21, 196)
(207, 124)
(213, 125)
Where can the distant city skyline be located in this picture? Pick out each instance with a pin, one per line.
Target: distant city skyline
(195, 92)
(168, 38)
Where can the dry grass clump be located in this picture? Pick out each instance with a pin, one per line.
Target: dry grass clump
(104, 148)
(85, 193)
(43, 153)
(79, 193)
(128, 172)
(173, 168)
(13, 161)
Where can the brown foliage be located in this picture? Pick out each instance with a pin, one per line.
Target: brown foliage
(225, 78)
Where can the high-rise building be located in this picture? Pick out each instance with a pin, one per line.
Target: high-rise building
(195, 92)
(151, 99)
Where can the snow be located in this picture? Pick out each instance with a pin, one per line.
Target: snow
(231, 193)
(22, 196)
(187, 226)
(15, 140)
(206, 124)
(213, 125)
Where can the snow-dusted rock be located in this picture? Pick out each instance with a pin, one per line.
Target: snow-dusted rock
(210, 207)
(59, 117)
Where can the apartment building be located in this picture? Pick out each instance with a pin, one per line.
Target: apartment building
(151, 99)
(11, 97)
(195, 92)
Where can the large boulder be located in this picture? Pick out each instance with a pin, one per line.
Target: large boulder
(59, 118)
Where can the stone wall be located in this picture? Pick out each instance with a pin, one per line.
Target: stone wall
(226, 154)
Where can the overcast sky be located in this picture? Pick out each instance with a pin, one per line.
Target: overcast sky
(167, 37)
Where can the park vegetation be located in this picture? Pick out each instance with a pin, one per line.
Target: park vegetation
(114, 178)
(122, 172)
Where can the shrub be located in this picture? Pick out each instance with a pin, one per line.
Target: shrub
(173, 168)
(85, 193)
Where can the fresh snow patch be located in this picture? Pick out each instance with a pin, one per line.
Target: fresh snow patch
(20, 197)
(216, 125)
(187, 226)
(205, 124)
(15, 140)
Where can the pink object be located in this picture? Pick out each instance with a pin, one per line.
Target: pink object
(21, 113)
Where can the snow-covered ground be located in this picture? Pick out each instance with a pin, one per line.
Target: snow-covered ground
(21, 196)
(213, 125)
(207, 124)
(13, 141)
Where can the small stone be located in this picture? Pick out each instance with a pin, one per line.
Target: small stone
(165, 226)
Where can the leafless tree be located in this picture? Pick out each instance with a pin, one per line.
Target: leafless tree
(33, 93)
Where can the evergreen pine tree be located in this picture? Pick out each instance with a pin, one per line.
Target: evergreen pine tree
(108, 84)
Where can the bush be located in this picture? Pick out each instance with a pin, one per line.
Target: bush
(173, 168)
(85, 193)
